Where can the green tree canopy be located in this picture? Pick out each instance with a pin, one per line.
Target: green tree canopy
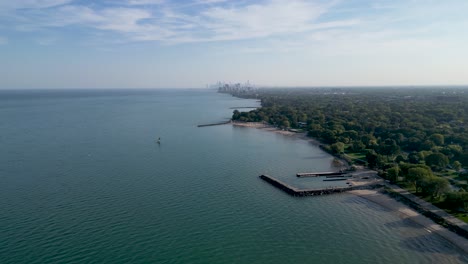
(435, 186)
(417, 176)
(438, 139)
(457, 200)
(457, 165)
(437, 161)
(337, 147)
(392, 173)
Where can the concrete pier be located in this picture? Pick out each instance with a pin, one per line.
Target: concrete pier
(302, 192)
(317, 174)
(215, 124)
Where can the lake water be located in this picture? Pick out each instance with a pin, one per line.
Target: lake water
(82, 180)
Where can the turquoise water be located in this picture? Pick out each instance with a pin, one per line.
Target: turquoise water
(82, 180)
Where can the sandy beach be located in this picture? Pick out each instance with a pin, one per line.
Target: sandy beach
(375, 196)
(405, 212)
(268, 127)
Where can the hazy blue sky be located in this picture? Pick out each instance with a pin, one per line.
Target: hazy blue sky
(162, 43)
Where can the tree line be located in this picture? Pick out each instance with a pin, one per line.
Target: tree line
(414, 134)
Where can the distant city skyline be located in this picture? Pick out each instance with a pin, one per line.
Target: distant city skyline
(189, 44)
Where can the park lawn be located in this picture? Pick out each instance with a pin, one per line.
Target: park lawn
(356, 155)
(460, 215)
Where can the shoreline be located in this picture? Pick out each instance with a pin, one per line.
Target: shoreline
(405, 212)
(402, 210)
(268, 127)
(302, 136)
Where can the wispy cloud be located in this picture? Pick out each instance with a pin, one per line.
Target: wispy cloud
(31, 4)
(3, 40)
(207, 2)
(214, 20)
(221, 20)
(145, 2)
(253, 21)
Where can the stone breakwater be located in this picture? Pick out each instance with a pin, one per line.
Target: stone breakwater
(309, 192)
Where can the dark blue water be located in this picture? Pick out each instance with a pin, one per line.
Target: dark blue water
(82, 180)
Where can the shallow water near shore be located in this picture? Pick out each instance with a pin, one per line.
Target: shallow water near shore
(82, 180)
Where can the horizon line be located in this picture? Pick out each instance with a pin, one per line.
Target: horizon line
(256, 86)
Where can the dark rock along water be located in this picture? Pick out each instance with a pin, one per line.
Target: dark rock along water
(82, 180)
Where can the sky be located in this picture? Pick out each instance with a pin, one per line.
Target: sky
(192, 43)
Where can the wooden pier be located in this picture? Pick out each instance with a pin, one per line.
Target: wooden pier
(302, 192)
(317, 174)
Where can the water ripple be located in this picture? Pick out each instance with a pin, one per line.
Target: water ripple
(96, 189)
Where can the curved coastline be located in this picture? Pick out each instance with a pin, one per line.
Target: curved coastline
(268, 127)
(400, 209)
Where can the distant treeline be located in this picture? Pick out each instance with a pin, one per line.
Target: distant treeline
(390, 129)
